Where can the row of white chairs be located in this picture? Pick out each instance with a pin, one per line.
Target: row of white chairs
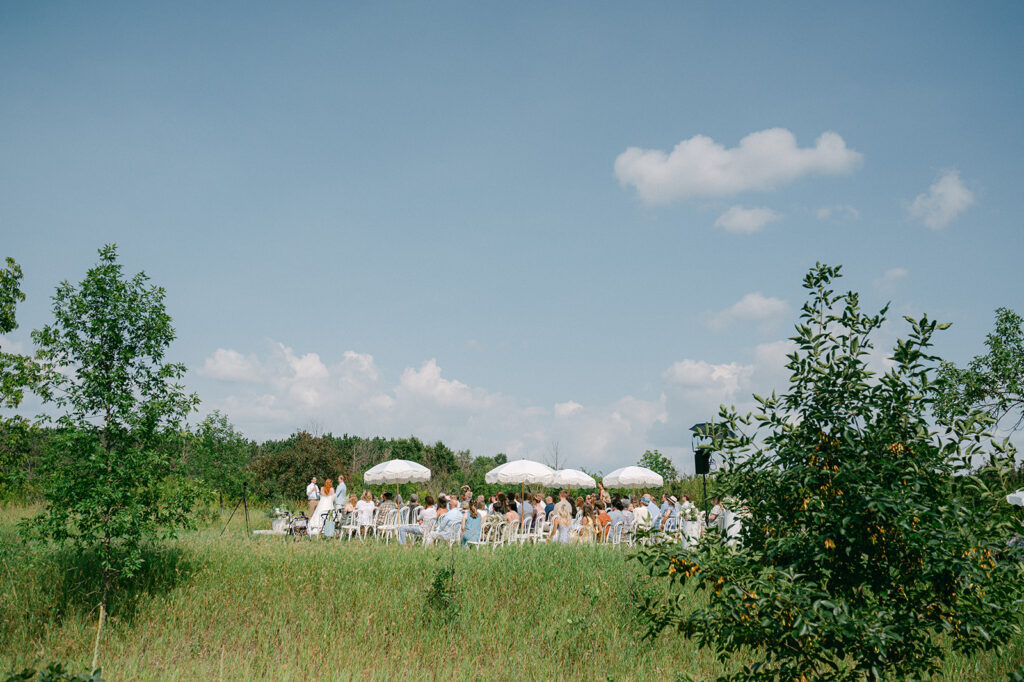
(495, 531)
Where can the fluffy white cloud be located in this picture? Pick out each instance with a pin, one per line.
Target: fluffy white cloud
(9, 346)
(230, 365)
(839, 211)
(746, 220)
(567, 408)
(700, 167)
(427, 383)
(754, 307)
(942, 203)
(888, 281)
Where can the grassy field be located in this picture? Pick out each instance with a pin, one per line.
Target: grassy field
(267, 608)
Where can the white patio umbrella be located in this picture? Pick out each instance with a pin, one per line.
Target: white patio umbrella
(633, 476)
(397, 471)
(570, 478)
(520, 471)
(1016, 498)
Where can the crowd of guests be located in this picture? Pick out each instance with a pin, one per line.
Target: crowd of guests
(460, 517)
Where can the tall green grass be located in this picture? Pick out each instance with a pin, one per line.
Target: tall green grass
(211, 607)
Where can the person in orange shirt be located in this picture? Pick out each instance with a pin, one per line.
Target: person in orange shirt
(603, 519)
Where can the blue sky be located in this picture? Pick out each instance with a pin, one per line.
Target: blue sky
(507, 228)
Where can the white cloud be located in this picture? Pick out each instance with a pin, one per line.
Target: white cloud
(838, 211)
(9, 346)
(888, 281)
(942, 203)
(230, 365)
(754, 307)
(428, 384)
(567, 408)
(746, 220)
(708, 381)
(700, 167)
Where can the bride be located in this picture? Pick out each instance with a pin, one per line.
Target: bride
(325, 506)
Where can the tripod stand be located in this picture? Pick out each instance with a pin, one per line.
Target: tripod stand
(245, 504)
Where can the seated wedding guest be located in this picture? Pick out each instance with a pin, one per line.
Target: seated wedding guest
(615, 514)
(588, 525)
(717, 517)
(604, 521)
(653, 511)
(442, 504)
(577, 505)
(350, 506)
(561, 522)
(387, 503)
(549, 506)
(526, 509)
(414, 508)
(481, 506)
(447, 528)
(471, 523)
(663, 509)
(641, 515)
(427, 517)
(670, 519)
(511, 515)
(629, 514)
(364, 511)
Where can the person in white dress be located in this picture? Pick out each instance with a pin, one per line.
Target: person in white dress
(364, 511)
(323, 507)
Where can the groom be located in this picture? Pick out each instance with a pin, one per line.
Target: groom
(312, 495)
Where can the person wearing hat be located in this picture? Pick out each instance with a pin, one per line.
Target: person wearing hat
(641, 514)
(414, 508)
(670, 517)
(652, 511)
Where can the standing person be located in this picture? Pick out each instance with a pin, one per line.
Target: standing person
(312, 496)
(340, 493)
(323, 509)
(604, 496)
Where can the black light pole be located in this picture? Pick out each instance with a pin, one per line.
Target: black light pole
(702, 454)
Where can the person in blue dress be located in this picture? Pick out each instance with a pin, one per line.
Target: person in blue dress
(471, 523)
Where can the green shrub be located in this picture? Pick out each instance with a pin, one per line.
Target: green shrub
(868, 549)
